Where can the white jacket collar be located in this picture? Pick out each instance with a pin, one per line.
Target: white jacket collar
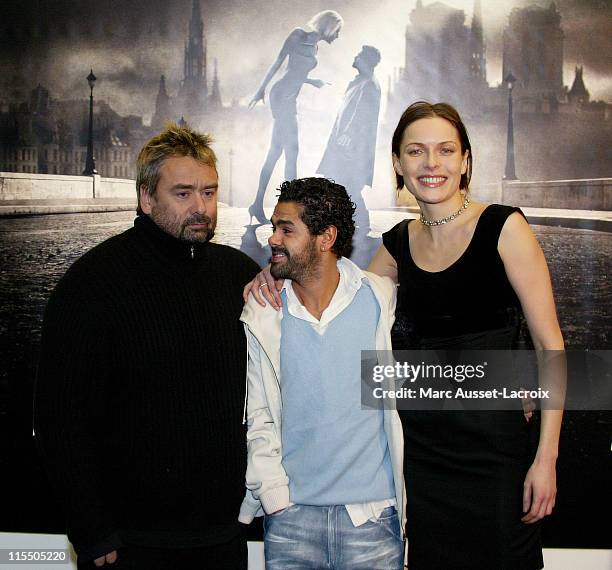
(264, 322)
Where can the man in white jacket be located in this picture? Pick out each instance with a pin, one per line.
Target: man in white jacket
(326, 472)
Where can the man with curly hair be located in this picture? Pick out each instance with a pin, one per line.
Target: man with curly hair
(326, 473)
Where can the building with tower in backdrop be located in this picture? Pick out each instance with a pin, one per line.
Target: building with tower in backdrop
(47, 136)
(163, 106)
(193, 93)
(194, 101)
(445, 60)
(533, 52)
(478, 51)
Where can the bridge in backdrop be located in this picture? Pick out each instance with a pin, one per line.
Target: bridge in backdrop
(584, 204)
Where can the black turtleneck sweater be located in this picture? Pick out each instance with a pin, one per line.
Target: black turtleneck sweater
(140, 392)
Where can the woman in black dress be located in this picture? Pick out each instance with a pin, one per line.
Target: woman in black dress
(467, 274)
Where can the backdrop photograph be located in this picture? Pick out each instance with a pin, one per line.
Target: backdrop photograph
(83, 86)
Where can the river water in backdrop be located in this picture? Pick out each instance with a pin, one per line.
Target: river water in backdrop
(36, 251)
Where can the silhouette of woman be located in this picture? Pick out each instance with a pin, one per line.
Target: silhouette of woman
(300, 49)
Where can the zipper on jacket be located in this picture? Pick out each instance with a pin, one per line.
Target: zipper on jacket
(192, 252)
(246, 394)
(246, 387)
(269, 360)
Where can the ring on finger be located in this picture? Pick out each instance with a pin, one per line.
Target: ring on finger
(263, 285)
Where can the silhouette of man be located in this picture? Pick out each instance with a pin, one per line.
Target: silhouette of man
(349, 156)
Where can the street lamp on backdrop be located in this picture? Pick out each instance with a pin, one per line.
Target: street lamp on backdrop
(510, 173)
(90, 164)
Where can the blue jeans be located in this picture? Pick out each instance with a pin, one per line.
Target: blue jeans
(316, 538)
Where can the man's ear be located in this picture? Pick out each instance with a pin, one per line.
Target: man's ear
(328, 238)
(145, 200)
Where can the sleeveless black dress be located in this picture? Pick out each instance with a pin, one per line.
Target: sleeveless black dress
(464, 470)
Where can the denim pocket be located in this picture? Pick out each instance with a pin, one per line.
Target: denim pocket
(279, 513)
(290, 508)
(389, 522)
(270, 520)
(388, 513)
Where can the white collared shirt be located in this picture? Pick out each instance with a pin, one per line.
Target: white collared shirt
(350, 282)
(351, 279)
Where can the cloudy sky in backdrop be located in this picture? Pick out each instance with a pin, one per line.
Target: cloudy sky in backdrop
(130, 43)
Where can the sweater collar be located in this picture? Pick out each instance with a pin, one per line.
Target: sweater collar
(165, 243)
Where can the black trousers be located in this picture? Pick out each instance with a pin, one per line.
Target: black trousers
(231, 555)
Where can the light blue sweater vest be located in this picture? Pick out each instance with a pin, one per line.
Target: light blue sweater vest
(334, 452)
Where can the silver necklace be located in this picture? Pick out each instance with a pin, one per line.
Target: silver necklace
(440, 221)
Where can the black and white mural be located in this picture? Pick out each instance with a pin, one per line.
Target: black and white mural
(305, 88)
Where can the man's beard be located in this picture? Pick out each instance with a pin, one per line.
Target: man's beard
(300, 266)
(180, 230)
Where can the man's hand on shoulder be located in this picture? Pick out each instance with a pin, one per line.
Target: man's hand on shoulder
(264, 286)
